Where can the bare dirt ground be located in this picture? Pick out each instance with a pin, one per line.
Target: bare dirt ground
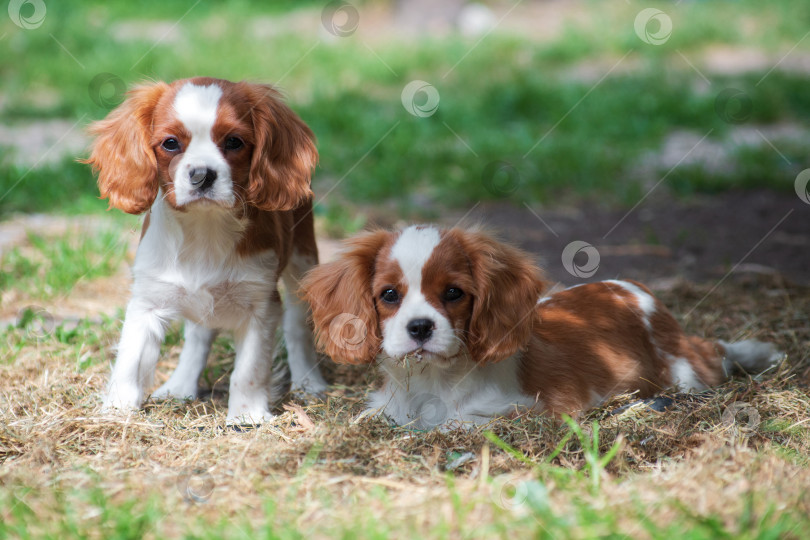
(743, 233)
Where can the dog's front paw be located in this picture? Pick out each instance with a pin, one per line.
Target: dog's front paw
(171, 391)
(311, 385)
(122, 399)
(253, 418)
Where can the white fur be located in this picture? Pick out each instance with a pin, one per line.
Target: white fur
(196, 107)
(751, 355)
(644, 301)
(426, 395)
(411, 251)
(187, 266)
(683, 376)
(183, 382)
(301, 352)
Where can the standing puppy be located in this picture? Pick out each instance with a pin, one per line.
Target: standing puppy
(222, 171)
(462, 332)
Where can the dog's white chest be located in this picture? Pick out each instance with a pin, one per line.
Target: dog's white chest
(463, 395)
(213, 298)
(196, 272)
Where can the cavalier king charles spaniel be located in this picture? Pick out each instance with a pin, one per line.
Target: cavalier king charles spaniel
(463, 333)
(222, 171)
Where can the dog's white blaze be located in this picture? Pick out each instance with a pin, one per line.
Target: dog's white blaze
(411, 251)
(196, 107)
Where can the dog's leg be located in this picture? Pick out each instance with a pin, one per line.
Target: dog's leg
(183, 382)
(301, 352)
(252, 390)
(138, 351)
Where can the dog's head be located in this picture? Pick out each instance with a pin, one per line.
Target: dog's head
(203, 141)
(437, 295)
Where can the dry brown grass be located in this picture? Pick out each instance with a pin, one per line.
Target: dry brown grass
(322, 469)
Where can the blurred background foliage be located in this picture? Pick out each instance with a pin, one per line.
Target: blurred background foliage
(539, 101)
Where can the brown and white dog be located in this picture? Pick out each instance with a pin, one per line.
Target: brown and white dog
(222, 170)
(463, 333)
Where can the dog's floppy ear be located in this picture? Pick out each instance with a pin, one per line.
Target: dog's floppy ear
(121, 153)
(507, 287)
(339, 292)
(284, 153)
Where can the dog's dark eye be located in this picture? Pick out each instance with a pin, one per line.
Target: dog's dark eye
(452, 294)
(233, 143)
(170, 145)
(390, 296)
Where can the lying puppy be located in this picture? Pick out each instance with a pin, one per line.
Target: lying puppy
(222, 171)
(462, 332)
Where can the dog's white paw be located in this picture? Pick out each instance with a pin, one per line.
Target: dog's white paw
(122, 399)
(311, 385)
(171, 391)
(256, 417)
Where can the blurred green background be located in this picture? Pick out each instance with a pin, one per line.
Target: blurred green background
(537, 101)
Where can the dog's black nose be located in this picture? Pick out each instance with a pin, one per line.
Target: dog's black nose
(202, 178)
(420, 329)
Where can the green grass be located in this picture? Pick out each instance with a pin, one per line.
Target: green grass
(64, 188)
(53, 266)
(519, 507)
(505, 96)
